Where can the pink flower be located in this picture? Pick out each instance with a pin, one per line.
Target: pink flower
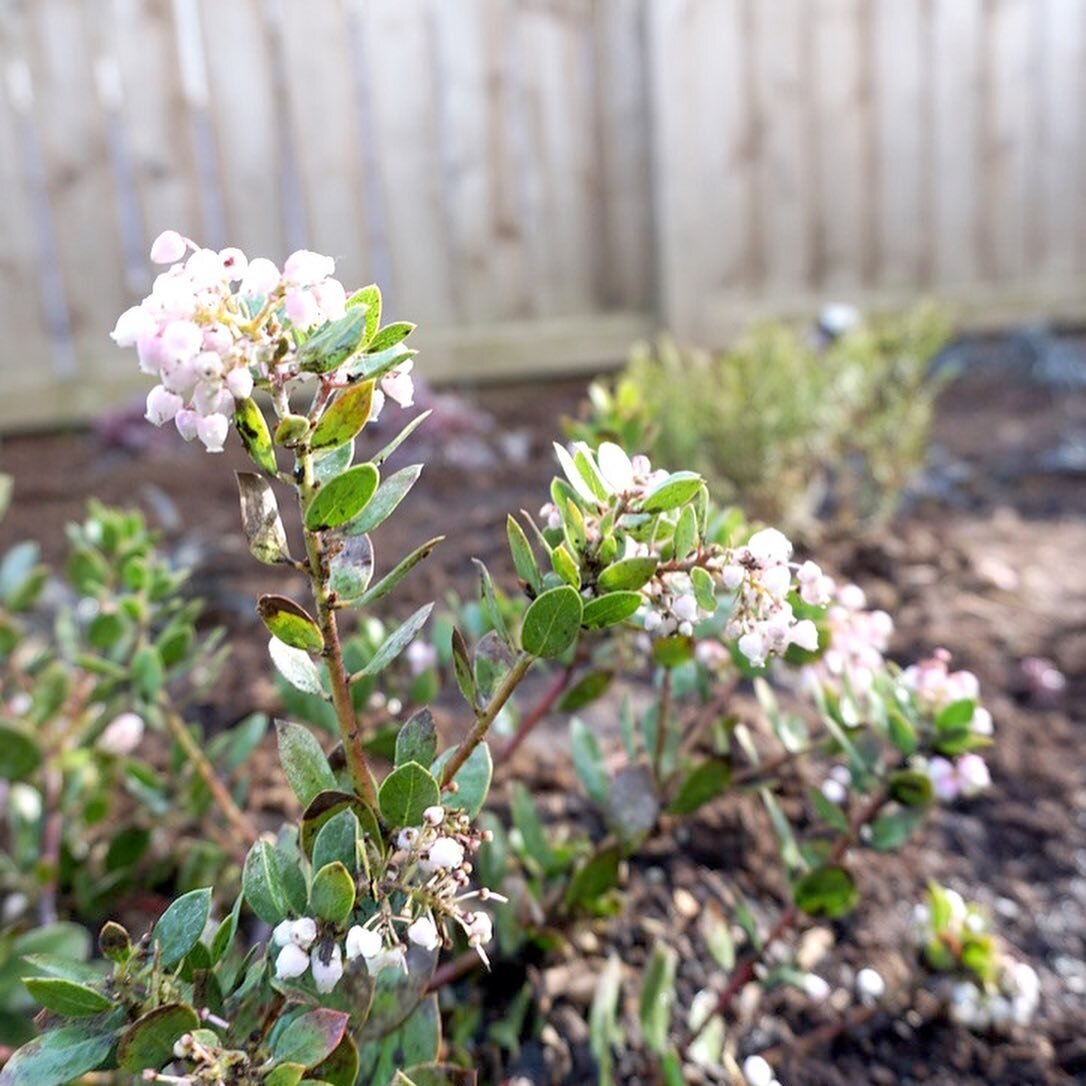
(234, 263)
(302, 309)
(185, 421)
(212, 431)
(182, 340)
(261, 277)
(162, 405)
(240, 383)
(398, 386)
(134, 324)
(305, 268)
(168, 248)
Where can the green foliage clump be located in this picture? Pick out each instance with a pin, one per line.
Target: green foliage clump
(795, 428)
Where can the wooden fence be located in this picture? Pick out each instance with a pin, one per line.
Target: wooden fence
(536, 182)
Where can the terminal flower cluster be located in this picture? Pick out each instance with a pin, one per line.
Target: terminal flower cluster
(1009, 992)
(431, 872)
(217, 322)
(760, 575)
(858, 637)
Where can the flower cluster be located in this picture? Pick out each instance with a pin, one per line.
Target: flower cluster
(1002, 991)
(934, 686)
(1013, 1000)
(935, 689)
(217, 322)
(762, 620)
(858, 637)
(431, 871)
(434, 865)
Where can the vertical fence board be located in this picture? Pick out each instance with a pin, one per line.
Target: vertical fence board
(71, 133)
(780, 56)
(140, 35)
(558, 105)
(955, 121)
(1060, 155)
(321, 114)
(1006, 136)
(404, 133)
(841, 104)
(242, 112)
(20, 301)
(624, 139)
(899, 130)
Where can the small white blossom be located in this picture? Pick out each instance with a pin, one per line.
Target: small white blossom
(363, 943)
(446, 852)
(291, 962)
(423, 932)
(757, 1072)
(122, 735)
(326, 962)
(870, 986)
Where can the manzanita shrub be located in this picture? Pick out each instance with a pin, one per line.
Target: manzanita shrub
(324, 965)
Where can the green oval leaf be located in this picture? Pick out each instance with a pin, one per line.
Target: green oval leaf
(332, 895)
(67, 997)
(911, 788)
(337, 839)
(417, 739)
(826, 891)
(330, 347)
(350, 567)
(677, 489)
(472, 780)
(344, 419)
(610, 610)
(262, 884)
(342, 498)
(396, 642)
(181, 925)
(296, 666)
(304, 762)
(551, 622)
(405, 793)
(389, 494)
(255, 435)
(291, 623)
(703, 783)
(59, 1056)
(627, 573)
(311, 1037)
(149, 1041)
(19, 752)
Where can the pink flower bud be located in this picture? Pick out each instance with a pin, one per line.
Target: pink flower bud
(398, 386)
(423, 932)
(162, 405)
(122, 735)
(240, 383)
(185, 421)
(182, 340)
(133, 325)
(261, 278)
(769, 546)
(331, 298)
(302, 309)
(304, 268)
(212, 431)
(805, 635)
(291, 962)
(168, 248)
(234, 263)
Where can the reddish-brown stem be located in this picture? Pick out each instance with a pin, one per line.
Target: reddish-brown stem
(535, 715)
(454, 970)
(744, 972)
(820, 1035)
(487, 717)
